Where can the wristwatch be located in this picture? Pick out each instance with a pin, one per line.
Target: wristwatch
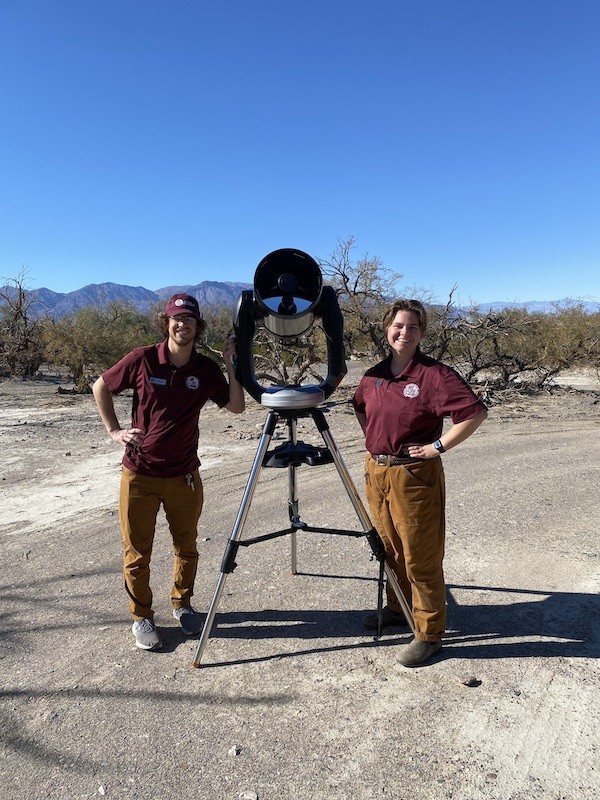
(439, 446)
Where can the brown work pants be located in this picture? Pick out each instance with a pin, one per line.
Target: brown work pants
(140, 498)
(407, 504)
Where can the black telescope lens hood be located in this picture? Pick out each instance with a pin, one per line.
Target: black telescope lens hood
(288, 272)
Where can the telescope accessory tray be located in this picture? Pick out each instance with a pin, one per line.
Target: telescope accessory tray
(289, 454)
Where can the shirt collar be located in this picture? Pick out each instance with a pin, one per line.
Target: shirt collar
(163, 357)
(409, 369)
(163, 353)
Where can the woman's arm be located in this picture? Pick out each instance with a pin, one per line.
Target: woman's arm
(362, 420)
(456, 434)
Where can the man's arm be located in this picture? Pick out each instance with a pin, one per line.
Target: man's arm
(237, 401)
(106, 409)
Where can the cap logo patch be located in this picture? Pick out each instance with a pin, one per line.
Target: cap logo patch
(179, 302)
(411, 390)
(192, 382)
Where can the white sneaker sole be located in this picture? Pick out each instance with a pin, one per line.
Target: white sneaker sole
(154, 646)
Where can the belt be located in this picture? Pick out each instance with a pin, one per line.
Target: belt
(392, 461)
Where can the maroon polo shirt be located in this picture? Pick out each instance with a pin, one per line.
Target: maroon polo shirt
(166, 406)
(409, 408)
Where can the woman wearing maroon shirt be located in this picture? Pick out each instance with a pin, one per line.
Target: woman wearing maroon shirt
(401, 404)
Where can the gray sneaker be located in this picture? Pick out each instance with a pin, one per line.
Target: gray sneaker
(146, 635)
(189, 619)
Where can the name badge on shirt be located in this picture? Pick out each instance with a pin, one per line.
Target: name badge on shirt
(158, 381)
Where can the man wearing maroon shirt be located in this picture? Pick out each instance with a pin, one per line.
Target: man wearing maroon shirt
(171, 382)
(401, 404)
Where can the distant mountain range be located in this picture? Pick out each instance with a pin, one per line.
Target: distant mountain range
(213, 294)
(542, 306)
(45, 302)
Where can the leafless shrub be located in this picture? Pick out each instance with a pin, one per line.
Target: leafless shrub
(20, 346)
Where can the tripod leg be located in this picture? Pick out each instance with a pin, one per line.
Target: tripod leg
(293, 509)
(228, 564)
(293, 500)
(380, 587)
(372, 536)
(294, 553)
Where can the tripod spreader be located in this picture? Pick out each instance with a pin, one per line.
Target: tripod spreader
(293, 454)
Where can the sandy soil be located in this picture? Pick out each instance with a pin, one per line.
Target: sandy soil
(294, 698)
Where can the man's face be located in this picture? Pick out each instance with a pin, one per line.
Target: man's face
(182, 329)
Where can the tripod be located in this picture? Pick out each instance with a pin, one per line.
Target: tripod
(292, 454)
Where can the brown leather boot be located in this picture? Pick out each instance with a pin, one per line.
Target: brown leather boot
(418, 652)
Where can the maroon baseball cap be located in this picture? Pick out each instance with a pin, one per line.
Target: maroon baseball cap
(183, 304)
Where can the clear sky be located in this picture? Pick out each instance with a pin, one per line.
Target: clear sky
(160, 142)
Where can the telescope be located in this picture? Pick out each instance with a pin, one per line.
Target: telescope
(288, 296)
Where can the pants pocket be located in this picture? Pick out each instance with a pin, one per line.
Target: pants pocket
(421, 475)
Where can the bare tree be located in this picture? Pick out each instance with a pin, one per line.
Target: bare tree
(364, 287)
(513, 348)
(20, 344)
(284, 362)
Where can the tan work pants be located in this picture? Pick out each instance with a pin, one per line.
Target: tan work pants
(140, 498)
(407, 505)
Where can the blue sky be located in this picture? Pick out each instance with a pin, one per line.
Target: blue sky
(160, 142)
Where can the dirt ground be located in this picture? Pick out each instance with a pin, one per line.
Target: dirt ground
(294, 698)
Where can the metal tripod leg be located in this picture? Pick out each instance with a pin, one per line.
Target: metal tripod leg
(293, 508)
(372, 535)
(228, 564)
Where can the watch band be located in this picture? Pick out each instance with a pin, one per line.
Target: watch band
(439, 446)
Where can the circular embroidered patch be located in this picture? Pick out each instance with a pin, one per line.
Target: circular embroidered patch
(411, 390)
(192, 382)
(179, 302)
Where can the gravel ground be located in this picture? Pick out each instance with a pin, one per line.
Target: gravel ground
(294, 699)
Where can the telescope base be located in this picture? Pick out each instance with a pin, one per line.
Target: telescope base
(287, 398)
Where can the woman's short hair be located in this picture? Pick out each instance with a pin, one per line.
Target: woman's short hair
(162, 322)
(405, 305)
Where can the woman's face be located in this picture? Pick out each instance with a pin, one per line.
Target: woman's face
(404, 334)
